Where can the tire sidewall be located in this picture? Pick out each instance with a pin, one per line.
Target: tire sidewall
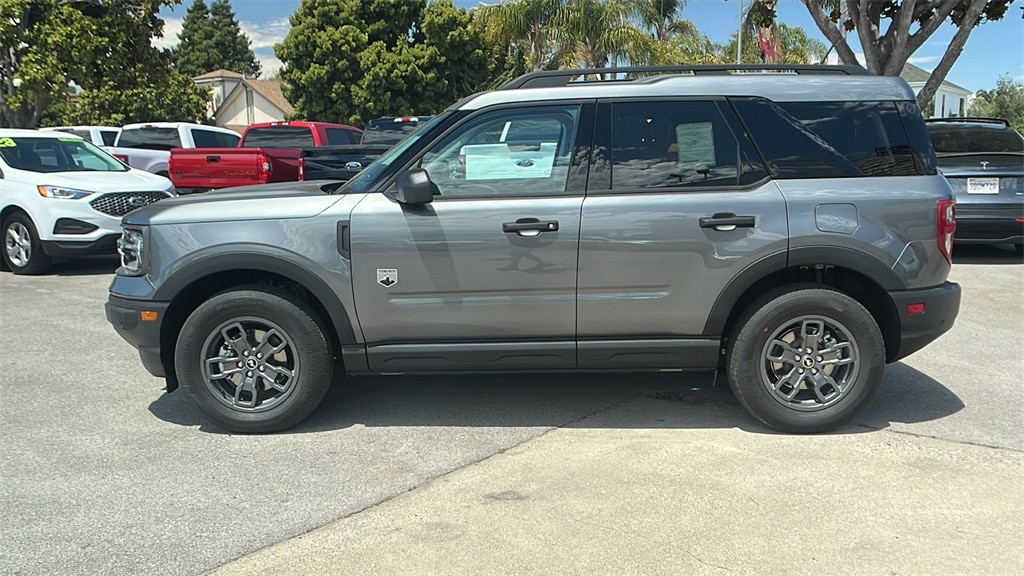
(744, 359)
(307, 337)
(37, 260)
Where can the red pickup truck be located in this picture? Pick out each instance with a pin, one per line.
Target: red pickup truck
(267, 152)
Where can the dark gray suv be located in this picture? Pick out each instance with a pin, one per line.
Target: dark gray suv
(786, 226)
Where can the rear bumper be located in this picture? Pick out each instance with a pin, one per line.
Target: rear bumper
(941, 305)
(990, 223)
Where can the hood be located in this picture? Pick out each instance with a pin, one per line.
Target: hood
(259, 202)
(130, 181)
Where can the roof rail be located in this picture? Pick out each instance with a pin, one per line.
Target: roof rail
(975, 119)
(556, 78)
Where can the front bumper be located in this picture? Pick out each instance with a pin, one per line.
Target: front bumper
(103, 245)
(126, 317)
(940, 307)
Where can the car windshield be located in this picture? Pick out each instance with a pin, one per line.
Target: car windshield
(63, 154)
(365, 179)
(149, 138)
(965, 138)
(391, 130)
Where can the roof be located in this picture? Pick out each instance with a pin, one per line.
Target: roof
(222, 73)
(272, 90)
(775, 87)
(51, 128)
(20, 133)
(915, 75)
(175, 125)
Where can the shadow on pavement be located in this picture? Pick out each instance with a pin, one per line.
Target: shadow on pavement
(86, 266)
(554, 400)
(985, 254)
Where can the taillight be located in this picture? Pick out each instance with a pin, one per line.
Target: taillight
(122, 157)
(946, 226)
(302, 168)
(263, 167)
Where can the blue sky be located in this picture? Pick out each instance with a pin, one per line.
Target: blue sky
(993, 49)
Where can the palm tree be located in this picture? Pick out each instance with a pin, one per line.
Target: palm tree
(594, 33)
(675, 39)
(526, 24)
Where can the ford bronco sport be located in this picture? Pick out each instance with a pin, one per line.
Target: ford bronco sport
(784, 225)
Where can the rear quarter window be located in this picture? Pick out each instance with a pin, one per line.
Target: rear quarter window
(830, 139)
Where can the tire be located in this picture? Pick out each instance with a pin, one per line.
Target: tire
(798, 392)
(277, 365)
(22, 252)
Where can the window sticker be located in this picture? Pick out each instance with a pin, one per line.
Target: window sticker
(68, 139)
(8, 143)
(505, 162)
(696, 145)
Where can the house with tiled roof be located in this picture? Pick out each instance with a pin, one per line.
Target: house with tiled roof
(949, 100)
(237, 101)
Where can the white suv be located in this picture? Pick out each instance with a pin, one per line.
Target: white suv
(63, 196)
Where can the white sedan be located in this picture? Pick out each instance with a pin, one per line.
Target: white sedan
(63, 196)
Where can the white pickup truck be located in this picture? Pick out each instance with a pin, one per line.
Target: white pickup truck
(96, 135)
(148, 146)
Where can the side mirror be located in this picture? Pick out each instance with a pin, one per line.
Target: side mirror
(414, 187)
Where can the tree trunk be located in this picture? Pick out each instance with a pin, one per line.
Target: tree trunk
(956, 46)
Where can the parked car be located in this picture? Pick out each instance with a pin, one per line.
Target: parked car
(274, 152)
(148, 146)
(62, 196)
(97, 135)
(391, 130)
(983, 160)
(794, 239)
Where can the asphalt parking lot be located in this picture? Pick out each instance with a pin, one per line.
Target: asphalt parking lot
(102, 473)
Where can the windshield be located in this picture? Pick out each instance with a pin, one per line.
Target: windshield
(366, 179)
(149, 138)
(63, 154)
(966, 138)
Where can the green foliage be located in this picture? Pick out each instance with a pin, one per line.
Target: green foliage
(794, 43)
(1006, 100)
(104, 48)
(174, 97)
(211, 39)
(340, 67)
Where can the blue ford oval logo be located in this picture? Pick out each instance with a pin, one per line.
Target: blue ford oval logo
(354, 166)
(524, 163)
(137, 201)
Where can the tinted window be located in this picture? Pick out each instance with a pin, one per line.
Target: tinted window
(966, 138)
(279, 137)
(391, 130)
(518, 152)
(150, 138)
(211, 139)
(673, 144)
(109, 136)
(829, 139)
(336, 136)
(56, 155)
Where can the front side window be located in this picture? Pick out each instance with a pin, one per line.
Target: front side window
(510, 152)
(673, 144)
(56, 155)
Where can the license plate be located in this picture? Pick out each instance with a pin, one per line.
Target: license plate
(983, 185)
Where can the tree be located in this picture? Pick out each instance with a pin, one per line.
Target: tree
(525, 26)
(210, 39)
(675, 40)
(48, 44)
(1006, 100)
(341, 67)
(793, 46)
(594, 33)
(909, 24)
(170, 96)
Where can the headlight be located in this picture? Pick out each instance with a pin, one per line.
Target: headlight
(130, 246)
(62, 192)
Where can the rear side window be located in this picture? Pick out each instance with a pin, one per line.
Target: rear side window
(829, 139)
(675, 144)
(339, 136)
(211, 139)
(150, 138)
(280, 137)
(109, 136)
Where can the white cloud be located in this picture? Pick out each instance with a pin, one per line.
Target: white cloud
(268, 65)
(266, 34)
(172, 27)
(920, 60)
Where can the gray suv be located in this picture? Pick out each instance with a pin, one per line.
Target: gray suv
(786, 226)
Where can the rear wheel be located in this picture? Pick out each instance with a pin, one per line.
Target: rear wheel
(22, 251)
(253, 360)
(806, 360)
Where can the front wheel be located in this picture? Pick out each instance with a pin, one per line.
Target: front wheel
(806, 360)
(22, 251)
(253, 360)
